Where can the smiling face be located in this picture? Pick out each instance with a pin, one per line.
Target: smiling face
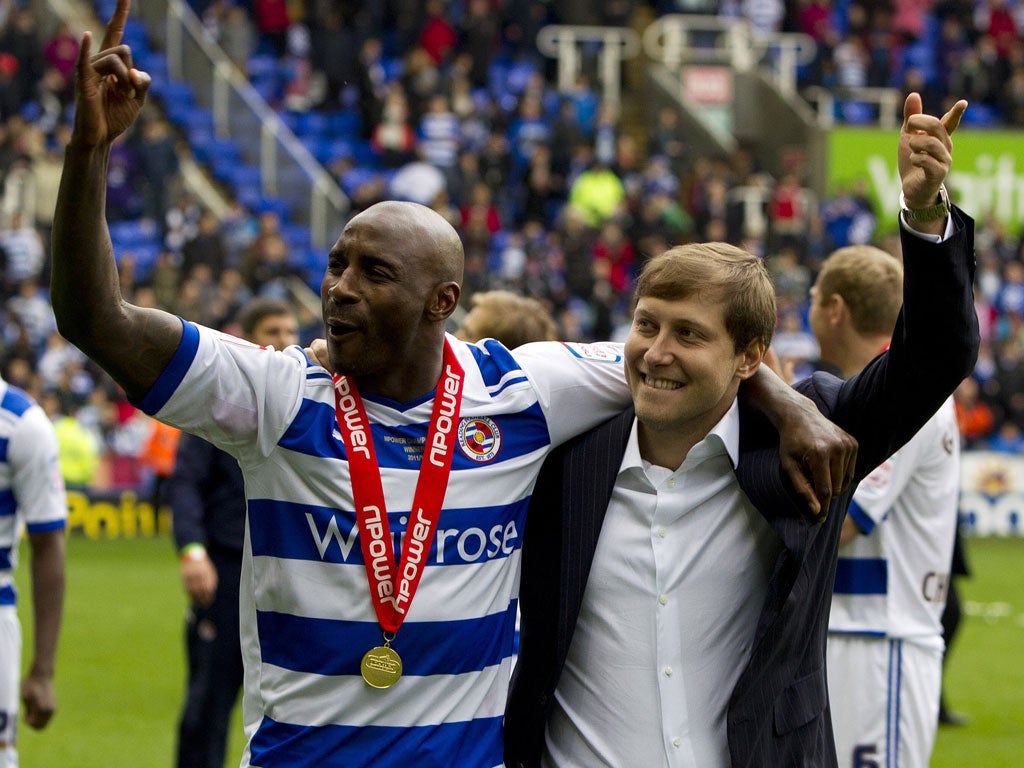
(704, 315)
(683, 368)
(391, 281)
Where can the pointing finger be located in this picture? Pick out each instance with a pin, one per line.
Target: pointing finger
(115, 28)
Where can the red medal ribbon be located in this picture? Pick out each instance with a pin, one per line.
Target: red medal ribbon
(392, 585)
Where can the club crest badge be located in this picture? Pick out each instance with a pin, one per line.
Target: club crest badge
(480, 439)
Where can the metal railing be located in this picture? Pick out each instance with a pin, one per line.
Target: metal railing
(564, 42)
(885, 101)
(678, 40)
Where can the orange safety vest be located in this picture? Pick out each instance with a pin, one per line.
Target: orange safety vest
(161, 448)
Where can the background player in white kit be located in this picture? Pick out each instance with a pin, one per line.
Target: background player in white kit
(31, 495)
(885, 636)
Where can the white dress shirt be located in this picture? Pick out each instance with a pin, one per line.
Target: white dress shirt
(668, 616)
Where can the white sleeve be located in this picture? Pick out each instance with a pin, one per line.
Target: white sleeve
(578, 386)
(877, 492)
(35, 472)
(235, 394)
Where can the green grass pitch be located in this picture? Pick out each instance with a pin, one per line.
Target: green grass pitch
(120, 672)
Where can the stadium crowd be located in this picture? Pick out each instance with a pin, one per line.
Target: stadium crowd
(556, 196)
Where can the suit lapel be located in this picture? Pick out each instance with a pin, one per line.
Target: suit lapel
(590, 469)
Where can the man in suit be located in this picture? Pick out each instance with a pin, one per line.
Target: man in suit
(675, 596)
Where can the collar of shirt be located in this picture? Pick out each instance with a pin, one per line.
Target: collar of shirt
(724, 437)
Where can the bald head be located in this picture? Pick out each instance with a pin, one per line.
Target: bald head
(427, 235)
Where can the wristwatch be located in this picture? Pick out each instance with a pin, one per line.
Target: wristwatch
(932, 213)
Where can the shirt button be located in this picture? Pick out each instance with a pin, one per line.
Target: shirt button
(668, 671)
(677, 742)
(663, 599)
(662, 532)
(671, 482)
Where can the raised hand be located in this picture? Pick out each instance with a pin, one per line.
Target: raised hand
(925, 151)
(110, 92)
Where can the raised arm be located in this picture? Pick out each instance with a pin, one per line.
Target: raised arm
(935, 342)
(131, 343)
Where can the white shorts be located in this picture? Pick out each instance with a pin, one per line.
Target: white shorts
(10, 684)
(884, 695)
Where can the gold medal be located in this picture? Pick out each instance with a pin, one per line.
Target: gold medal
(381, 667)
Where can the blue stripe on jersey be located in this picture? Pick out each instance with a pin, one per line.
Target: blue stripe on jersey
(4, 442)
(858, 632)
(473, 744)
(5, 559)
(863, 520)
(8, 506)
(314, 432)
(334, 647)
(172, 375)
(861, 576)
(306, 532)
(47, 527)
(494, 361)
(8, 595)
(15, 401)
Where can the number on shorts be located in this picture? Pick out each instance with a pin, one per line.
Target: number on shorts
(863, 754)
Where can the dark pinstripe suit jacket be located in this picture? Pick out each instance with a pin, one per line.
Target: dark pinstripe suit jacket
(778, 714)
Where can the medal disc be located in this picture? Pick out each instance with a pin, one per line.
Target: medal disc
(381, 667)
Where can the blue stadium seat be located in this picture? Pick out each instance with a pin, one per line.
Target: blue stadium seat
(243, 176)
(393, 68)
(355, 177)
(277, 205)
(135, 232)
(982, 115)
(262, 65)
(344, 125)
(297, 236)
(173, 92)
(311, 124)
(143, 256)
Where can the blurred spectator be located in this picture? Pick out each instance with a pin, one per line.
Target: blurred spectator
(20, 39)
(272, 22)
(479, 30)
(30, 307)
(335, 53)
(205, 247)
(393, 138)
(61, 52)
(615, 258)
(437, 37)
(371, 82)
(236, 34)
(511, 319)
(596, 194)
(157, 162)
(23, 250)
(973, 415)
(266, 264)
(78, 447)
(479, 217)
(1008, 439)
(438, 135)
